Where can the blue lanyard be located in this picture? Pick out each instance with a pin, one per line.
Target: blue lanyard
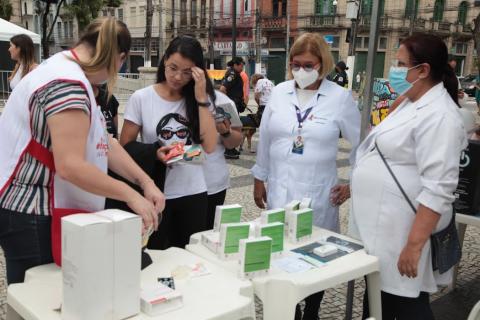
(301, 119)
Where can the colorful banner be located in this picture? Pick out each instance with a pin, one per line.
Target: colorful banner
(383, 98)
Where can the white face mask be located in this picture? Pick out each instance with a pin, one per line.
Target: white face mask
(305, 78)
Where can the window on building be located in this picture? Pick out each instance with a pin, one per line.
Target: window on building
(462, 12)
(367, 5)
(324, 7)
(382, 43)
(275, 8)
(36, 23)
(120, 14)
(142, 11)
(284, 7)
(460, 48)
(59, 29)
(133, 15)
(104, 12)
(203, 12)
(183, 12)
(193, 12)
(438, 9)
(336, 42)
(411, 8)
(70, 28)
(25, 8)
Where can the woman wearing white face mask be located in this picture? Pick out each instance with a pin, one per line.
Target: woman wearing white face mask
(56, 150)
(299, 140)
(421, 142)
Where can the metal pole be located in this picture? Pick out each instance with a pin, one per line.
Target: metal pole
(234, 29)
(412, 19)
(210, 36)
(174, 24)
(148, 35)
(287, 44)
(258, 42)
(160, 30)
(372, 51)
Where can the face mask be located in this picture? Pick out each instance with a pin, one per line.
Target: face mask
(398, 79)
(305, 78)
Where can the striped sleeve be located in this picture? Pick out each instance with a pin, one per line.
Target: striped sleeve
(60, 96)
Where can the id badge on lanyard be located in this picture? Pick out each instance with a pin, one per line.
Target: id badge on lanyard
(299, 142)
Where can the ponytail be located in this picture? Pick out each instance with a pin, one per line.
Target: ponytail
(107, 37)
(450, 82)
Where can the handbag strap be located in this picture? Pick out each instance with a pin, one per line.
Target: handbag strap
(395, 178)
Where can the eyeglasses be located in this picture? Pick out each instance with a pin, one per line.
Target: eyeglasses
(173, 70)
(307, 66)
(168, 134)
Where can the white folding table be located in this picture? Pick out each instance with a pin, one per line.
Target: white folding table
(281, 291)
(218, 295)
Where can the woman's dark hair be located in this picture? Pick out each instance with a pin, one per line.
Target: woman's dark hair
(427, 48)
(191, 49)
(27, 53)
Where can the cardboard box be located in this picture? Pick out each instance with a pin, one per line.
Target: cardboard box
(300, 225)
(101, 265)
(227, 214)
(273, 215)
(255, 257)
(276, 232)
(230, 236)
(160, 299)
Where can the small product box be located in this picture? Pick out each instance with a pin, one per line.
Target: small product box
(101, 265)
(227, 214)
(305, 203)
(211, 240)
(276, 232)
(289, 208)
(300, 225)
(273, 215)
(230, 236)
(255, 257)
(160, 299)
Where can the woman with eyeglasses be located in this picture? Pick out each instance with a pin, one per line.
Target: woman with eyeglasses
(177, 109)
(421, 143)
(299, 136)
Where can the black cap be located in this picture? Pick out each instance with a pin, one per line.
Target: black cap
(342, 65)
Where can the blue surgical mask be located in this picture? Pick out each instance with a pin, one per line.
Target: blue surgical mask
(398, 79)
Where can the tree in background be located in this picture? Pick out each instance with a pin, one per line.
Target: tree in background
(6, 9)
(476, 39)
(47, 26)
(87, 10)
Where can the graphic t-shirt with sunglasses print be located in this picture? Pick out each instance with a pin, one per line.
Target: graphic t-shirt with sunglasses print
(165, 121)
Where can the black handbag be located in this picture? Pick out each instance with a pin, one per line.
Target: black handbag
(446, 250)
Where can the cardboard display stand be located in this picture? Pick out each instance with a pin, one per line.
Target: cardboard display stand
(227, 214)
(467, 195)
(300, 225)
(230, 236)
(255, 256)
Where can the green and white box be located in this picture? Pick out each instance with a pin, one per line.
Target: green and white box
(276, 232)
(300, 225)
(273, 215)
(211, 240)
(227, 214)
(289, 208)
(230, 236)
(305, 203)
(255, 257)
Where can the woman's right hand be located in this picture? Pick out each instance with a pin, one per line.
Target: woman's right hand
(162, 152)
(259, 193)
(145, 209)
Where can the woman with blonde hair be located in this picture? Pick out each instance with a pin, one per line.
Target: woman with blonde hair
(22, 52)
(56, 150)
(299, 136)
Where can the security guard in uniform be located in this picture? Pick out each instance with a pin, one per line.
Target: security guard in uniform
(232, 83)
(341, 77)
(232, 86)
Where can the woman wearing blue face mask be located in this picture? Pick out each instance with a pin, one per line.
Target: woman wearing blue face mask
(421, 142)
(299, 136)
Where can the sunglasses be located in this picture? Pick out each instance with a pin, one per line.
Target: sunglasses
(168, 134)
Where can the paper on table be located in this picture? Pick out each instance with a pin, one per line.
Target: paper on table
(292, 264)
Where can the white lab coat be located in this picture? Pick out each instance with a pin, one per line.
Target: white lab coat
(422, 142)
(291, 176)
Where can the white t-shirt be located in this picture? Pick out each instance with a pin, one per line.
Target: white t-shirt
(264, 87)
(215, 168)
(16, 78)
(165, 120)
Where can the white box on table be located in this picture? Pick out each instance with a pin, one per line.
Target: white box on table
(227, 214)
(160, 299)
(230, 236)
(289, 208)
(300, 225)
(273, 215)
(211, 240)
(255, 257)
(305, 203)
(101, 266)
(276, 232)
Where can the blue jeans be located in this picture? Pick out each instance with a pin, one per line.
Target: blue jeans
(26, 242)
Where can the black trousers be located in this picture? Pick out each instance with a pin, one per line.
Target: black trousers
(26, 242)
(214, 200)
(312, 307)
(402, 308)
(182, 217)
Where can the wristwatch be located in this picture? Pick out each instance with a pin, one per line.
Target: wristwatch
(203, 104)
(226, 134)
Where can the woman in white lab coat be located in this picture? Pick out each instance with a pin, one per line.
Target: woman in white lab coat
(299, 137)
(422, 141)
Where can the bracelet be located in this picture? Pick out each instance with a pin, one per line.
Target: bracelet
(226, 134)
(204, 104)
